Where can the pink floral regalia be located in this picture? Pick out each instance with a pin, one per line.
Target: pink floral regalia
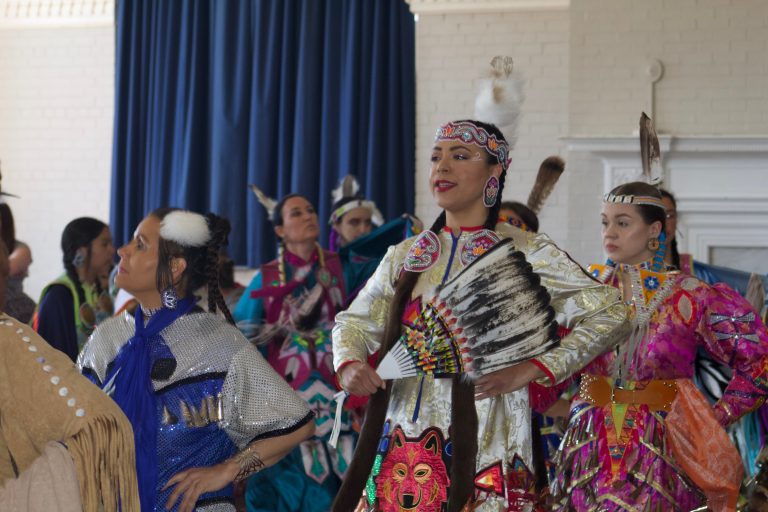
(640, 435)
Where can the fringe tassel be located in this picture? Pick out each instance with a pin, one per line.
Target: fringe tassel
(339, 398)
(105, 460)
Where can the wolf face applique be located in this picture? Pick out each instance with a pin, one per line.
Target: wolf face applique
(413, 475)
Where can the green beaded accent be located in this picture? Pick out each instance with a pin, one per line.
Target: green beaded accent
(370, 485)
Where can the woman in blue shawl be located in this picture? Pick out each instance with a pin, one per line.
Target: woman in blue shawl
(205, 407)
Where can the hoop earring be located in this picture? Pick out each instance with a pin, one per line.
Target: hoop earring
(170, 298)
(491, 192)
(653, 244)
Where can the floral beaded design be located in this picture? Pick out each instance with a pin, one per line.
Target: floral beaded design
(423, 253)
(478, 244)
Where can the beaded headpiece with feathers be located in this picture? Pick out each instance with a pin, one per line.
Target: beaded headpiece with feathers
(498, 102)
(349, 188)
(650, 154)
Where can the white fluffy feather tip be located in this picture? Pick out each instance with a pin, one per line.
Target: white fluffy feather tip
(500, 98)
(188, 229)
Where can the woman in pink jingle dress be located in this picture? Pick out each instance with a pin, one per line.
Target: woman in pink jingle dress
(638, 422)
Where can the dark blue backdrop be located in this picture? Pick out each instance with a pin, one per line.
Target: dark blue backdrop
(288, 94)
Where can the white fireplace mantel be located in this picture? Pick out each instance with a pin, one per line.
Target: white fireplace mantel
(720, 182)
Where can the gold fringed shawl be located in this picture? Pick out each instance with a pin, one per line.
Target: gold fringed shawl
(43, 398)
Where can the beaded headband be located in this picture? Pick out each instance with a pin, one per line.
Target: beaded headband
(376, 216)
(631, 199)
(469, 133)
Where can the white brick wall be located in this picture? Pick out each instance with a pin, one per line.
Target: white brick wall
(56, 108)
(584, 69)
(453, 50)
(714, 54)
(715, 82)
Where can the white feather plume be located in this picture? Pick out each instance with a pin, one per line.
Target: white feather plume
(188, 229)
(267, 202)
(500, 98)
(348, 187)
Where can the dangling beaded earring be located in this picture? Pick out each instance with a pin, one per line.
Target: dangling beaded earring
(491, 191)
(169, 298)
(79, 259)
(661, 250)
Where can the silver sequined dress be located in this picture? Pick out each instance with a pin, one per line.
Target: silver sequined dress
(215, 395)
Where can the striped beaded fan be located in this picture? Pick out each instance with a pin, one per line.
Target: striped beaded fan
(491, 315)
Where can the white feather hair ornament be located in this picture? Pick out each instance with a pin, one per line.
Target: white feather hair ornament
(500, 98)
(267, 202)
(188, 229)
(348, 187)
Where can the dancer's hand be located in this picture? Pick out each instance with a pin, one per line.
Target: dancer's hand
(194, 482)
(360, 379)
(506, 380)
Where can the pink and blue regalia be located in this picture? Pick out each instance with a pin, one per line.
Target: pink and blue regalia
(640, 435)
(288, 310)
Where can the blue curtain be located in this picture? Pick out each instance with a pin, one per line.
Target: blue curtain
(290, 95)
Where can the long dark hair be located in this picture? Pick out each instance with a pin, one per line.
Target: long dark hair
(464, 421)
(81, 232)
(673, 246)
(202, 263)
(7, 227)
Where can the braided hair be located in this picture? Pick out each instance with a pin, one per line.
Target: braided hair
(202, 263)
(464, 423)
(673, 246)
(79, 233)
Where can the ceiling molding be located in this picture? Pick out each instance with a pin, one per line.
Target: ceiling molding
(56, 13)
(481, 6)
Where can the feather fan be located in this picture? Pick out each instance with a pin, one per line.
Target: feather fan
(491, 315)
(549, 172)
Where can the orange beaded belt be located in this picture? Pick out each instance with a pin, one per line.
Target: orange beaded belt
(658, 395)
